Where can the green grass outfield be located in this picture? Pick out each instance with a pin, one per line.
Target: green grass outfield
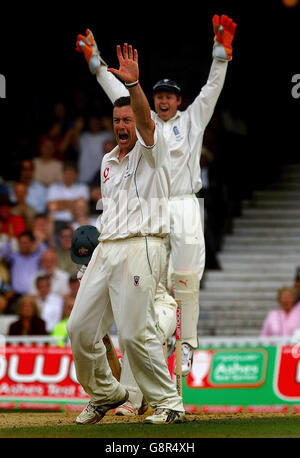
(280, 427)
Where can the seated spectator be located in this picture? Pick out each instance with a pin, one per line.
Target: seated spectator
(50, 305)
(59, 279)
(90, 147)
(29, 322)
(36, 192)
(42, 229)
(12, 225)
(23, 264)
(62, 196)
(47, 170)
(3, 304)
(20, 207)
(62, 251)
(286, 319)
(60, 329)
(81, 215)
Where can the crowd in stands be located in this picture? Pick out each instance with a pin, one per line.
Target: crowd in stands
(54, 189)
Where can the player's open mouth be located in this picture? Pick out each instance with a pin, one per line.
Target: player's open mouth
(123, 137)
(164, 109)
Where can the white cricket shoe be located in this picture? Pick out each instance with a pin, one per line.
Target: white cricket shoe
(165, 416)
(126, 410)
(93, 413)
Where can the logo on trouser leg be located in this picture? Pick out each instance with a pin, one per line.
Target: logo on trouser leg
(136, 280)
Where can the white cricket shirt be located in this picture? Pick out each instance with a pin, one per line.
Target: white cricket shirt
(184, 133)
(135, 191)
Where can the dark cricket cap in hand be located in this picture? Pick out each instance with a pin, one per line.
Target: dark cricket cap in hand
(84, 241)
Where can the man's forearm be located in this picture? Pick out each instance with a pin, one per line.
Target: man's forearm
(141, 109)
(112, 87)
(204, 104)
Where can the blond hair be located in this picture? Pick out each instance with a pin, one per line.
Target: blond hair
(290, 289)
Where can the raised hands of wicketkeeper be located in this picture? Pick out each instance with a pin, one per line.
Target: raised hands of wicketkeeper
(129, 68)
(224, 29)
(87, 45)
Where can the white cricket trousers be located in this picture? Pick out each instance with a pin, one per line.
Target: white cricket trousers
(119, 285)
(186, 252)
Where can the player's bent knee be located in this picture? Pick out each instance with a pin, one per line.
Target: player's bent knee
(81, 341)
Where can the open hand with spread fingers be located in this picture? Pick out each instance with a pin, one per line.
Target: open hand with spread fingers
(224, 29)
(129, 68)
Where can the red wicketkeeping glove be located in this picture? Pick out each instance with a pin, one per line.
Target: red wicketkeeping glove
(224, 29)
(88, 46)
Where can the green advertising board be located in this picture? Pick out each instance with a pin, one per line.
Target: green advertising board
(242, 368)
(244, 377)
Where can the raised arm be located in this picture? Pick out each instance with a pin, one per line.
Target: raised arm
(129, 73)
(87, 45)
(203, 106)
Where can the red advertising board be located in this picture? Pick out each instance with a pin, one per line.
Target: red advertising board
(287, 377)
(39, 373)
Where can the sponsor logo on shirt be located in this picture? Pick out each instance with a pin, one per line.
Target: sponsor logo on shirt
(177, 133)
(105, 174)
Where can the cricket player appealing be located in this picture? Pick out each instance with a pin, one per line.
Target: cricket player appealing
(121, 278)
(183, 133)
